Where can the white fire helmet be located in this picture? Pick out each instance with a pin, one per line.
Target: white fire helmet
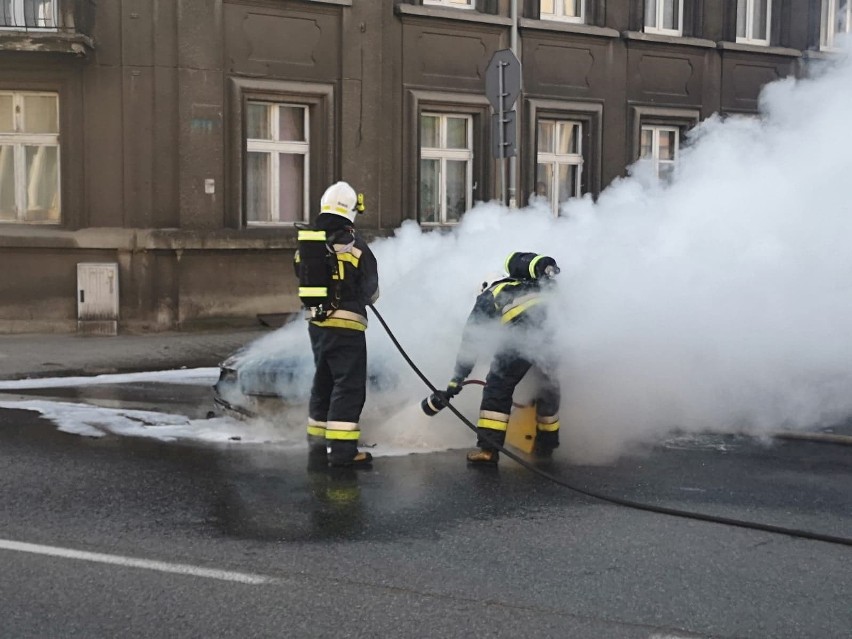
(340, 199)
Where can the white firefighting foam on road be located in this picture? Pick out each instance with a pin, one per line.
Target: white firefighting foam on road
(718, 302)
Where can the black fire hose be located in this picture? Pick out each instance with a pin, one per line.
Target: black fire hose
(674, 512)
(479, 382)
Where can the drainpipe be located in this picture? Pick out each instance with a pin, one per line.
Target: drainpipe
(513, 161)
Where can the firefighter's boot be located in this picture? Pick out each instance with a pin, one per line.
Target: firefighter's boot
(317, 458)
(543, 451)
(483, 456)
(317, 450)
(360, 460)
(545, 443)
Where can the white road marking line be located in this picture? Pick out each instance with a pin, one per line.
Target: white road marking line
(131, 562)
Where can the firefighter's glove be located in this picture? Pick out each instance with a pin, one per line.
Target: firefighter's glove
(454, 387)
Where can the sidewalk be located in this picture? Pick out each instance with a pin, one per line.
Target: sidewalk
(37, 355)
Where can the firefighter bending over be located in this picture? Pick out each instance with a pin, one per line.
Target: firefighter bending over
(519, 302)
(338, 277)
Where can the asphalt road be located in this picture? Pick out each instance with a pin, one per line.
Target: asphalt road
(420, 546)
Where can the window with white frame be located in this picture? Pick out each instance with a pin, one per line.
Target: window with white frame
(664, 17)
(836, 20)
(459, 4)
(660, 145)
(753, 18)
(446, 167)
(29, 157)
(559, 161)
(277, 163)
(32, 14)
(565, 10)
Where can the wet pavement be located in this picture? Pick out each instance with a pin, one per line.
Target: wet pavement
(420, 545)
(195, 402)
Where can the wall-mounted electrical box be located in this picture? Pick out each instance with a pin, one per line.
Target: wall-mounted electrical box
(97, 298)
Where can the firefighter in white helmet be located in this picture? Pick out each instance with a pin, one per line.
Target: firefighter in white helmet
(337, 314)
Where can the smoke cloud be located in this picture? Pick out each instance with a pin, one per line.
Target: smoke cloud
(719, 301)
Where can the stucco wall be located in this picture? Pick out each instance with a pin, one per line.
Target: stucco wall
(154, 110)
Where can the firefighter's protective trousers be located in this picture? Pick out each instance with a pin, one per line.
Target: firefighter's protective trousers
(507, 370)
(339, 389)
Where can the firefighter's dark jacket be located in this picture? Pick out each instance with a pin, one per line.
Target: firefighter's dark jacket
(514, 302)
(360, 273)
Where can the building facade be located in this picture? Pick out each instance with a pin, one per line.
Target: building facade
(156, 154)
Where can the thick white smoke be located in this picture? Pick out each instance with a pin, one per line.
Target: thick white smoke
(720, 301)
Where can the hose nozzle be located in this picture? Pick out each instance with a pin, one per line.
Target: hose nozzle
(435, 403)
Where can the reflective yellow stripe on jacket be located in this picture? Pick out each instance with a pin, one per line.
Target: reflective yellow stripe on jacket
(347, 253)
(501, 286)
(514, 311)
(343, 319)
(339, 323)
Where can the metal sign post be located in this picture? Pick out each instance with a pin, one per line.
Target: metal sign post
(502, 87)
(501, 73)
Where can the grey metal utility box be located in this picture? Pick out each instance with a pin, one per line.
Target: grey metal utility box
(97, 298)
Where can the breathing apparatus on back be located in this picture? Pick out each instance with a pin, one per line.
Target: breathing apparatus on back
(531, 266)
(320, 271)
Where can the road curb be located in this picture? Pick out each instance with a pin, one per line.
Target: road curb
(823, 438)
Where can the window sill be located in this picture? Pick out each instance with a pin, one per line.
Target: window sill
(448, 13)
(342, 3)
(820, 54)
(568, 27)
(759, 48)
(46, 42)
(32, 236)
(668, 39)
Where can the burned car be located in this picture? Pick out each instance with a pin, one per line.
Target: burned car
(276, 371)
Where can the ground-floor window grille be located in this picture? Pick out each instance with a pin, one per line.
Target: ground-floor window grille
(29, 157)
(28, 14)
(559, 161)
(277, 163)
(660, 145)
(836, 20)
(446, 167)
